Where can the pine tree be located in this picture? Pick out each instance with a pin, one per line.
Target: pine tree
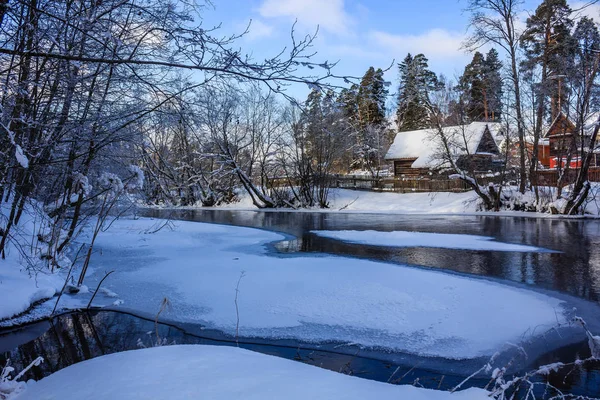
(371, 122)
(493, 85)
(371, 98)
(416, 81)
(549, 48)
(481, 87)
(313, 117)
(587, 39)
(348, 102)
(472, 85)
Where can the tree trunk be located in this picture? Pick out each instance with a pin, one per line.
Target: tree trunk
(520, 128)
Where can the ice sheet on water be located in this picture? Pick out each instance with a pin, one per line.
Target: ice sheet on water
(315, 298)
(425, 239)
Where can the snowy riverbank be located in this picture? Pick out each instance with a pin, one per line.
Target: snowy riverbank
(346, 200)
(209, 372)
(442, 203)
(24, 275)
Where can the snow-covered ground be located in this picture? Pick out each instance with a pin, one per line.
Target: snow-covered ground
(24, 277)
(406, 203)
(364, 201)
(19, 290)
(210, 372)
(313, 298)
(347, 200)
(423, 239)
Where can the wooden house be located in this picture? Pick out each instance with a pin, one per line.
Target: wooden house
(473, 146)
(543, 152)
(565, 145)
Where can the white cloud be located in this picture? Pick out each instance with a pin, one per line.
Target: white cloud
(436, 43)
(329, 15)
(258, 30)
(353, 50)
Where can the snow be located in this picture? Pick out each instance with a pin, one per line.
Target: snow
(138, 178)
(108, 292)
(24, 279)
(403, 203)
(411, 144)
(18, 291)
(11, 384)
(440, 203)
(112, 183)
(547, 369)
(212, 372)
(424, 239)
(420, 144)
(81, 185)
(361, 201)
(313, 298)
(21, 157)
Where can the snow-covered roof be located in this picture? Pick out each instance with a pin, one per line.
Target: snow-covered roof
(591, 121)
(589, 124)
(422, 144)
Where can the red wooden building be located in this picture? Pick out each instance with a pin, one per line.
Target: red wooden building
(564, 145)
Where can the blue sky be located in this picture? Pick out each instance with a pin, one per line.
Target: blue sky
(358, 33)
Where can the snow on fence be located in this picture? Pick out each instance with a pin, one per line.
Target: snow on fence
(395, 184)
(391, 184)
(435, 184)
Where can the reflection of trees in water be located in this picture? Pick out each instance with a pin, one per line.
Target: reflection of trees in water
(579, 380)
(76, 337)
(571, 272)
(81, 336)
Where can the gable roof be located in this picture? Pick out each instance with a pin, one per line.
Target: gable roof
(560, 125)
(422, 145)
(568, 126)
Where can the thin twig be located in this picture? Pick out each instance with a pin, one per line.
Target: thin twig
(163, 306)
(98, 288)
(66, 279)
(237, 311)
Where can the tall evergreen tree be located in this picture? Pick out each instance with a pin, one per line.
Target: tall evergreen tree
(416, 81)
(587, 39)
(312, 120)
(371, 98)
(369, 131)
(363, 110)
(549, 49)
(348, 102)
(493, 85)
(473, 88)
(481, 87)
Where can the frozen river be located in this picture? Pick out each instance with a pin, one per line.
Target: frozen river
(573, 268)
(394, 289)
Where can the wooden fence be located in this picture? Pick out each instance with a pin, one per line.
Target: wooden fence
(550, 177)
(416, 184)
(425, 184)
(403, 185)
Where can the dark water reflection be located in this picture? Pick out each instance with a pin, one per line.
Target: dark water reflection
(74, 337)
(574, 269)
